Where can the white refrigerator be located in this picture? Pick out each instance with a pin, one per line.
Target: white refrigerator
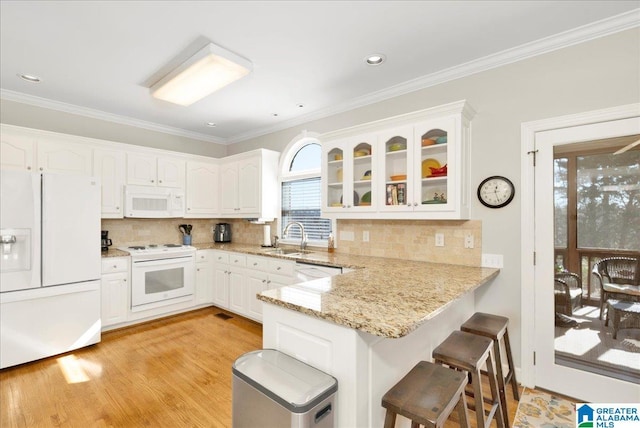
(49, 265)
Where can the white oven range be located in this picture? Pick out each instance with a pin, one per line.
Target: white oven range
(161, 275)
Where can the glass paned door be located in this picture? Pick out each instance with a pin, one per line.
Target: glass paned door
(575, 352)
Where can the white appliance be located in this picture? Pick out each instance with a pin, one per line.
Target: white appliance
(161, 275)
(153, 202)
(49, 265)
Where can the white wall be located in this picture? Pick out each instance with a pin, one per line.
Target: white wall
(597, 74)
(593, 75)
(30, 116)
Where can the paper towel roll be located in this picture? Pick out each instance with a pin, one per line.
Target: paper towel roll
(266, 231)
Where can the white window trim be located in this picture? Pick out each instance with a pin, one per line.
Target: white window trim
(298, 142)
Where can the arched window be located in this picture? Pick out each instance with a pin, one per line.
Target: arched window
(300, 192)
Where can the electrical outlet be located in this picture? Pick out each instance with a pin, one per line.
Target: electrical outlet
(439, 239)
(492, 261)
(365, 236)
(468, 240)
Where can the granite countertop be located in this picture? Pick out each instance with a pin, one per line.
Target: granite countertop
(114, 252)
(385, 297)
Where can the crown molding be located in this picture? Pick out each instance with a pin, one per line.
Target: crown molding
(109, 117)
(602, 28)
(558, 41)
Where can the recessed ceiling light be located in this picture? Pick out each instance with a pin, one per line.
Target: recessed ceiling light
(211, 124)
(375, 59)
(274, 114)
(300, 105)
(30, 78)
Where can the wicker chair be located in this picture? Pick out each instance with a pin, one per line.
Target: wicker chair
(618, 277)
(567, 292)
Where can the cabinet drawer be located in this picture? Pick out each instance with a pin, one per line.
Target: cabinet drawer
(220, 257)
(114, 264)
(258, 263)
(203, 256)
(236, 259)
(281, 267)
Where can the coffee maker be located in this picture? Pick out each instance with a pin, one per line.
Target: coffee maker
(105, 242)
(222, 232)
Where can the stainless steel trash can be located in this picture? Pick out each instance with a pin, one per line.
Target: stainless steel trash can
(274, 390)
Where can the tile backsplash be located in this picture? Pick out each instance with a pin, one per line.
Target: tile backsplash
(413, 240)
(399, 239)
(136, 231)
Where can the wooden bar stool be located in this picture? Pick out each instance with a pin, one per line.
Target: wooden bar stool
(495, 328)
(427, 395)
(469, 352)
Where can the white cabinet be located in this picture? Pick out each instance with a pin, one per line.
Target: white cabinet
(249, 185)
(204, 277)
(64, 157)
(221, 279)
(238, 278)
(148, 170)
(17, 151)
(202, 189)
(419, 166)
(114, 290)
(108, 165)
(348, 174)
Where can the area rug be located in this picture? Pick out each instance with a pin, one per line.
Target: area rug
(538, 409)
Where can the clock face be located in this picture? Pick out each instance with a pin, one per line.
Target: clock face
(496, 191)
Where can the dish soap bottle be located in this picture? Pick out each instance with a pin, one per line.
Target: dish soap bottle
(331, 245)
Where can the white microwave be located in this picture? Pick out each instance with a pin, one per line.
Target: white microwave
(153, 202)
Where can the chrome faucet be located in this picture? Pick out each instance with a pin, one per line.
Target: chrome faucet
(303, 240)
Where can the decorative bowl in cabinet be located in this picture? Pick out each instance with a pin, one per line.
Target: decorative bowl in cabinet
(397, 146)
(441, 140)
(428, 142)
(399, 177)
(360, 153)
(438, 172)
(367, 175)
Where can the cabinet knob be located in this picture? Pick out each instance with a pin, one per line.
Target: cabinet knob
(255, 263)
(188, 209)
(41, 169)
(198, 270)
(117, 208)
(125, 280)
(115, 266)
(279, 267)
(264, 280)
(159, 181)
(153, 181)
(269, 282)
(29, 168)
(415, 204)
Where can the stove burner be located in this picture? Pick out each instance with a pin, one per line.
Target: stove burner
(172, 245)
(137, 247)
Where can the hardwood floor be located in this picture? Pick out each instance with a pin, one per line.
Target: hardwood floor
(174, 372)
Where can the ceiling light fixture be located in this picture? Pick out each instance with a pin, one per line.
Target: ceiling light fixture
(30, 78)
(300, 105)
(210, 69)
(375, 59)
(211, 124)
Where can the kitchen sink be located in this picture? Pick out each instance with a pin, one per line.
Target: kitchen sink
(291, 252)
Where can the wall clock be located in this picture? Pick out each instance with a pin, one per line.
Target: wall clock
(496, 191)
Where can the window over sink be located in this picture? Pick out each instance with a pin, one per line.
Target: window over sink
(301, 192)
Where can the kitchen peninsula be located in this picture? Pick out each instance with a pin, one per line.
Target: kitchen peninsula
(368, 327)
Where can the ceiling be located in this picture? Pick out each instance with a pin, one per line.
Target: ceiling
(100, 58)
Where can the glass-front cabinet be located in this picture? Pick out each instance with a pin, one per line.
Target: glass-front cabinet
(347, 174)
(410, 166)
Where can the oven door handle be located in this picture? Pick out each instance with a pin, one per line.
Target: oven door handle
(163, 261)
